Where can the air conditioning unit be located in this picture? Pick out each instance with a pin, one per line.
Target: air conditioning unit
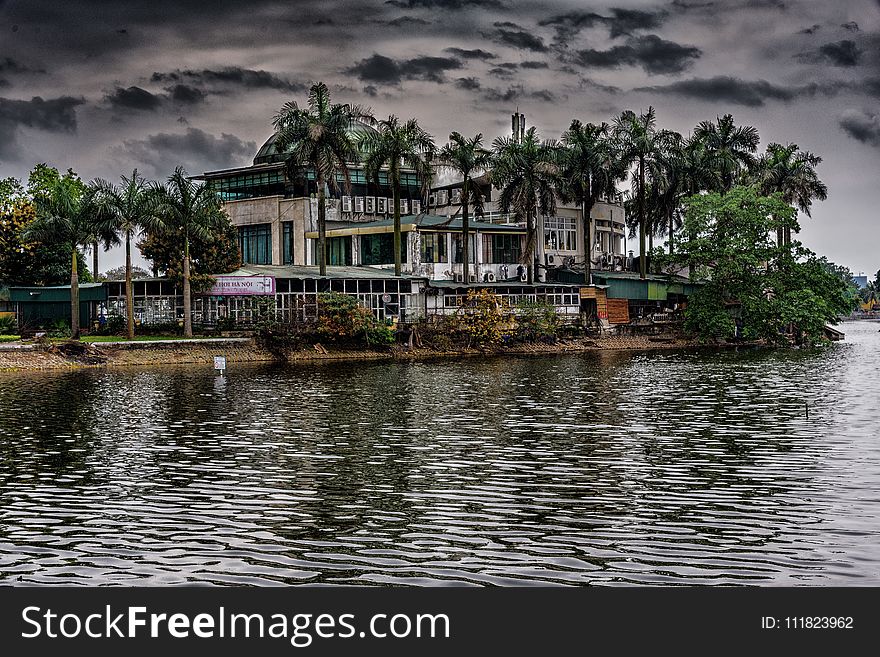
(370, 205)
(459, 278)
(359, 204)
(416, 207)
(472, 278)
(456, 196)
(523, 277)
(432, 200)
(346, 203)
(443, 197)
(489, 277)
(404, 206)
(381, 205)
(550, 259)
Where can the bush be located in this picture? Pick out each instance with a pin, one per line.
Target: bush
(7, 324)
(342, 319)
(483, 317)
(536, 321)
(60, 328)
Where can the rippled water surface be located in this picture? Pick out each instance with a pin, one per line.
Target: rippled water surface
(756, 467)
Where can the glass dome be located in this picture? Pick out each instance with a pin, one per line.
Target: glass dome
(269, 154)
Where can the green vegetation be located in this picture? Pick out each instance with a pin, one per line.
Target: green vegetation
(342, 319)
(536, 321)
(484, 318)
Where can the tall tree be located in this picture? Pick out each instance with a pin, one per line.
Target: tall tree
(395, 145)
(792, 172)
(639, 143)
(187, 210)
(319, 137)
(66, 214)
(730, 148)
(526, 171)
(466, 157)
(126, 209)
(589, 170)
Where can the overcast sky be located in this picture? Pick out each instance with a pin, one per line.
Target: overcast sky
(104, 87)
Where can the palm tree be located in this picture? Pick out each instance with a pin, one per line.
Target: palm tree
(66, 214)
(526, 171)
(189, 210)
(791, 172)
(127, 209)
(397, 145)
(319, 137)
(589, 169)
(639, 142)
(729, 148)
(466, 157)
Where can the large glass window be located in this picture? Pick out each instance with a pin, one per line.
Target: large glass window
(287, 242)
(255, 243)
(379, 249)
(500, 249)
(560, 233)
(434, 247)
(339, 250)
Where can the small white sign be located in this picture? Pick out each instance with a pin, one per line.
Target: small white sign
(220, 363)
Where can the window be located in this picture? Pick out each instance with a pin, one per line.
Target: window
(560, 233)
(379, 249)
(456, 245)
(287, 242)
(255, 243)
(434, 247)
(339, 250)
(501, 249)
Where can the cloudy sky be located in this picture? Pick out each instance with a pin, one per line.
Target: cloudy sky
(104, 87)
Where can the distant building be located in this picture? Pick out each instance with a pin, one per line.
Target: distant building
(861, 280)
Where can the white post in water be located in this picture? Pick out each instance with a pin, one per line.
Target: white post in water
(220, 364)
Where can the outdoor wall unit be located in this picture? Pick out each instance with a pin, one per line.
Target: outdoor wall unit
(346, 203)
(370, 205)
(404, 206)
(416, 207)
(381, 205)
(359, 204)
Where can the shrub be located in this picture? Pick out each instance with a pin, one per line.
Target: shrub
(483, 317)
(536, 321)
(342, 319)
(7, 324)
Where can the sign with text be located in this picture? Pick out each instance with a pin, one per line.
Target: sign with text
(225, 286)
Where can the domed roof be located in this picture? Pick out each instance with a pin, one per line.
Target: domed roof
(268, 152)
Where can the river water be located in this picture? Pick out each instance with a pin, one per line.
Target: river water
(686, 467)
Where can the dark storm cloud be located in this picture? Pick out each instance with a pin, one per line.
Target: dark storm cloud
(518, 93)
(510, 34)
(752, 93)
(468, 84)
(379, 69)
(840, 53)
(652, 53)
(407, 21)
(51, 115)
(621, 22)
(811, 30)
(234, 76)
(862, 126)
(195, 150)
(185, 94)
(11, 66)
(533, 64)
(133, 98)
(477, 53)
(852, 26)
(627, 21)
(444, 4)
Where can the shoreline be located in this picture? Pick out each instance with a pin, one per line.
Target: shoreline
(73, 355)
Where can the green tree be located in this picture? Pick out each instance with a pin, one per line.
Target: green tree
(126, 209)
(729, 148)
(466, 157)
(397, 145)
(526, 171)
(729, 246)
(791, 172)
(66, 215)
(639, 143)
(589, 170)
(186, 210)
(319, 137)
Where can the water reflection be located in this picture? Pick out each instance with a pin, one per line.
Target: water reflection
(609, 468)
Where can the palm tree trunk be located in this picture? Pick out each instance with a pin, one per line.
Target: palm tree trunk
(74, 296)
(643, 269)
(187, 300)
(465, 234)
(533, 238)
(95, 260)
(129, 292)
(671, 231)
(322, 229)
(395, 196)
(587, 209)
(787, 235)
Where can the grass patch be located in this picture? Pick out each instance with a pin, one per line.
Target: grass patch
(9, 338)
(140, 338)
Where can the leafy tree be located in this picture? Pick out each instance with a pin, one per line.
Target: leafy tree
(185, 211)
(398, 144)
(126, 209)
(65, 215)
(118, 273)
(466, 157)
(526, 172)
(729, 246)
(589, 170)
(342, 319)
(319, 137)
(483, 317)
(729, 148)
